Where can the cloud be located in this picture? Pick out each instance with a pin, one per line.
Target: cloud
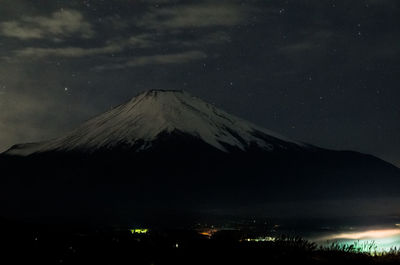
(142, 41)
(308, 42)
(170, 22)
(139, 41)
(33, 52)
(193, 16)
(16, 30)
(60, 24)
(160, 59)
(214, 38)
(217, 38)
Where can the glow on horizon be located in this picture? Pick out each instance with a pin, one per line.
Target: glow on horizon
(370, 234)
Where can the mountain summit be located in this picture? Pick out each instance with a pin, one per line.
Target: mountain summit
(139, 122)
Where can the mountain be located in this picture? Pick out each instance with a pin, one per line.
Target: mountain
(168, 153)
(137, 124)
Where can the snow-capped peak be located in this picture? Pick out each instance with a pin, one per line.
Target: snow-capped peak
(148, 115)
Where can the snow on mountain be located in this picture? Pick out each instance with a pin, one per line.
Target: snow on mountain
(151, 113)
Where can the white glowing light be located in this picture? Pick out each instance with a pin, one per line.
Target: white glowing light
(371, 234)
(376, 240)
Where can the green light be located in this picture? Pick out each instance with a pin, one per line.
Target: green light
(139, 231)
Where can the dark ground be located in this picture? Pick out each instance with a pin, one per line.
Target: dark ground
(39, 244)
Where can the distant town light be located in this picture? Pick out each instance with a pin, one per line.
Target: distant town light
(260, 239)
(139, 231)
(207, 232)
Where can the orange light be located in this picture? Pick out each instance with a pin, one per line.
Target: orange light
(207, 232)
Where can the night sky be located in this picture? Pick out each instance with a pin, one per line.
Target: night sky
(324, 72)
